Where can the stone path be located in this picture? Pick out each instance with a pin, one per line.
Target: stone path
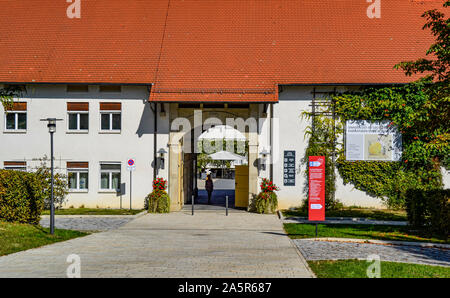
(87, 222)
(208, 244)
(314, 250)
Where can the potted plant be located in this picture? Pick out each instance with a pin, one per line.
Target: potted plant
(267, 201)
(158, 200)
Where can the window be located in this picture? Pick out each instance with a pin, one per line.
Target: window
(78, 176)
(110, 117)
(15, 165)
(111, 88)
(78, 116)
(78, 121)
(16, 117)
(110, 176)
(78, 88)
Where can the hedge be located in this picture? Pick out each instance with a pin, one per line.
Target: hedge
(429, 209)
(21, 197)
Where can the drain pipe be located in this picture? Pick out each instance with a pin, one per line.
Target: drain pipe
(155, 133)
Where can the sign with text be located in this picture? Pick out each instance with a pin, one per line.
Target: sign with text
(289, 168)
(372, 140)
(316, 188)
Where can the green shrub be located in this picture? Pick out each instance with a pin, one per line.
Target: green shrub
(60, 185)
(158, 201)
(429, 209)
(266, 202)
(21, 197)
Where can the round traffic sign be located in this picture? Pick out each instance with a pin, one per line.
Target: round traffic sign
(131, 162)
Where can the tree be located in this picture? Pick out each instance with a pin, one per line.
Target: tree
(432, 119)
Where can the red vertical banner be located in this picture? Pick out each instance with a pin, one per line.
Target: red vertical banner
(316, 188)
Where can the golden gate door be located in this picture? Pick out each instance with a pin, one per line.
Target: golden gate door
(241, 187)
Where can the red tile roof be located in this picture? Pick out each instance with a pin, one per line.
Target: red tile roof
(211, 50)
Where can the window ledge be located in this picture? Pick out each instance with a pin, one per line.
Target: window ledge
(117, 132)
(77, 131)
(15, 131)
(108, 191)
(78, 191)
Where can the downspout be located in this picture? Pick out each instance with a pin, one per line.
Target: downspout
(271, 142)
(155, 139)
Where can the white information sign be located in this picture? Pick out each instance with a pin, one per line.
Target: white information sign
(372, 140)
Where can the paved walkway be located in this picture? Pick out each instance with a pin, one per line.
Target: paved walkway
(208, 244)
(87, 222)
(331, 250)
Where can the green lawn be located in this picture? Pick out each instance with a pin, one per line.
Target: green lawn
(378, 232)
(15, 237)
(394, 215)
(93, 211)
(358, 269)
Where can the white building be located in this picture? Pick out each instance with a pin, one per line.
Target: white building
(135, 85)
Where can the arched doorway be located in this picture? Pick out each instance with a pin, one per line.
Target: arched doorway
(187, 124)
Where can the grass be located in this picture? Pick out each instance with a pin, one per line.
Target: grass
(358, 269)
(92, 211)
(16, 237)
(377, 232)
(377, 214)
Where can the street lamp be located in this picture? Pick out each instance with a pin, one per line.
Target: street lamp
(51, 124)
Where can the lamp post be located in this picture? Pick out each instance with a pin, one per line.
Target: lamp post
(51, 124)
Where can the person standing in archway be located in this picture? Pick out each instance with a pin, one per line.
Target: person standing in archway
(209, 187)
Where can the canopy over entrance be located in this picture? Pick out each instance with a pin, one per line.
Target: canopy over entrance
(225, 155)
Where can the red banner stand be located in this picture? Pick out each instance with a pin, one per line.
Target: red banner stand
(316, 192)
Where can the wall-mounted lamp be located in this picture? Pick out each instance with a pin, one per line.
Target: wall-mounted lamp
(264, 153)
(161, 153)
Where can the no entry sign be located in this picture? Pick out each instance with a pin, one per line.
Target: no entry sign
(316, 188)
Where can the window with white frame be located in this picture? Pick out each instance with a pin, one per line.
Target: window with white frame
(110, 176)
(16, 121)
(110, 117)
(78, 176)
(111, 121)
(15, 165)
(78, 116)
(16, 117)
(78, 121)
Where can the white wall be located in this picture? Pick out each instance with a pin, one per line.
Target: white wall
(134, 140)
(291, 136)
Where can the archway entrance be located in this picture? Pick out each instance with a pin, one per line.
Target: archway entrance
(200, 144)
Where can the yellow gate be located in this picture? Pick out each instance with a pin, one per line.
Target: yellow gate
(241, 186)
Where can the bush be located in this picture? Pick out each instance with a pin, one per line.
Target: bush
(158, 201)
(266, 202)
(21, 197)
(60, 186)
(429, 209)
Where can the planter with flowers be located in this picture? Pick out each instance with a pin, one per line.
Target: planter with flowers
(158, 200)
(267, 201)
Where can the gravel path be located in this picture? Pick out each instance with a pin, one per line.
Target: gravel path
(314, 250)
(87, 223)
